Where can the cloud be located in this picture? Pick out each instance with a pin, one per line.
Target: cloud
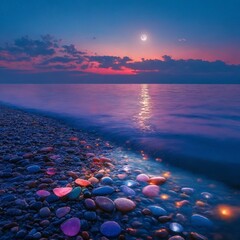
(112, 62)
(49, 55)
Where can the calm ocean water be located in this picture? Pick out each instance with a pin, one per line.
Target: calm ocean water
(195, 127)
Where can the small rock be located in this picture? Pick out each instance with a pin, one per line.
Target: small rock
(104, 203)
(124, 204)
(44, 212)
(71, 227)
(61, 212)
(110, 229)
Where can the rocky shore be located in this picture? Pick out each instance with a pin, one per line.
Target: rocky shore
(57, 182)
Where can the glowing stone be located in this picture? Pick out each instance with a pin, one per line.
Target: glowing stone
(71, 227)
(43, 193)
(151, 190)
(82, 182)
(62, 191)
(157, 180)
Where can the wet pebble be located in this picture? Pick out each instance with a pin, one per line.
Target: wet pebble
(43, 193)
(104, 203)
(61, 212)
(34, 169)
(176, 227)
(71, 227)
(82, 182)
(151, 190)
(61, 192)
(107, 181)
(157, 211)
(44, 212)
(200, 221)
(176, 237)
(157, 180)
(90, 215)
(106, 190)
(124, 204)
(142, 177)
(110, 229)
(75, 193)
(187, 190)
(89, 204)
(127, 190)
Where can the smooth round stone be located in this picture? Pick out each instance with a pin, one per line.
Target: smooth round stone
(142, 178)
(206, 195)
(62, 191)
(157, 180)
(110, 229)
(161, 233)
(176, 227)
(106, 190)
(44, 212)
(104, 203)
(43, 193)
(51, 171)
(176, 237)
(71, 227)
(151, 191)
(131, 183)
(93, 180)
(61, 212)
(157, 211)
(200, 221)
(75, 193)
(197, 236)
(124, 204)
(127, 190)
(187, 191)
(106, 181)
(90, 204)
(82, 182)
(34, 168)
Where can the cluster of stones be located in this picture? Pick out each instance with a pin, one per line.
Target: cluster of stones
(64, 186)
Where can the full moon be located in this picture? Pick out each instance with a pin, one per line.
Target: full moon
(144, 37)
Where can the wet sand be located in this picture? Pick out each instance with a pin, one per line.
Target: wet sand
(58, 182)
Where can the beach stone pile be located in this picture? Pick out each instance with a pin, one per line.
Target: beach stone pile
(61, 183)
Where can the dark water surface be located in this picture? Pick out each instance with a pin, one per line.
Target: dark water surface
(195, 127)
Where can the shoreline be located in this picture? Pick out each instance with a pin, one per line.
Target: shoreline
(41, 153)
(182, 162)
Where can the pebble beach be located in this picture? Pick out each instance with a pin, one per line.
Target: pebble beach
(59, 182)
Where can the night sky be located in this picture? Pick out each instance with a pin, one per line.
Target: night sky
(81, 40)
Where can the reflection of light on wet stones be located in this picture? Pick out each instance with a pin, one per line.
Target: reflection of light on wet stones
(106, 190)
(142, 177)
(206, 195)
(176, 227)
(106, 181)
(200, 221)
(61, 212)
(151, 190)
(43, 193)
(110, 229)
(176, 237)
(187, 191)
(61, 192)
(131, 183)
(157, 180)
(197, 236)
(157, 211)
(182, 203)
(71, 227)
(161, 233)
(104, 203)
(82, 182)
(128, 191)
(124, 204)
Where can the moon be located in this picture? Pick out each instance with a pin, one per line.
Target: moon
(144, 37)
